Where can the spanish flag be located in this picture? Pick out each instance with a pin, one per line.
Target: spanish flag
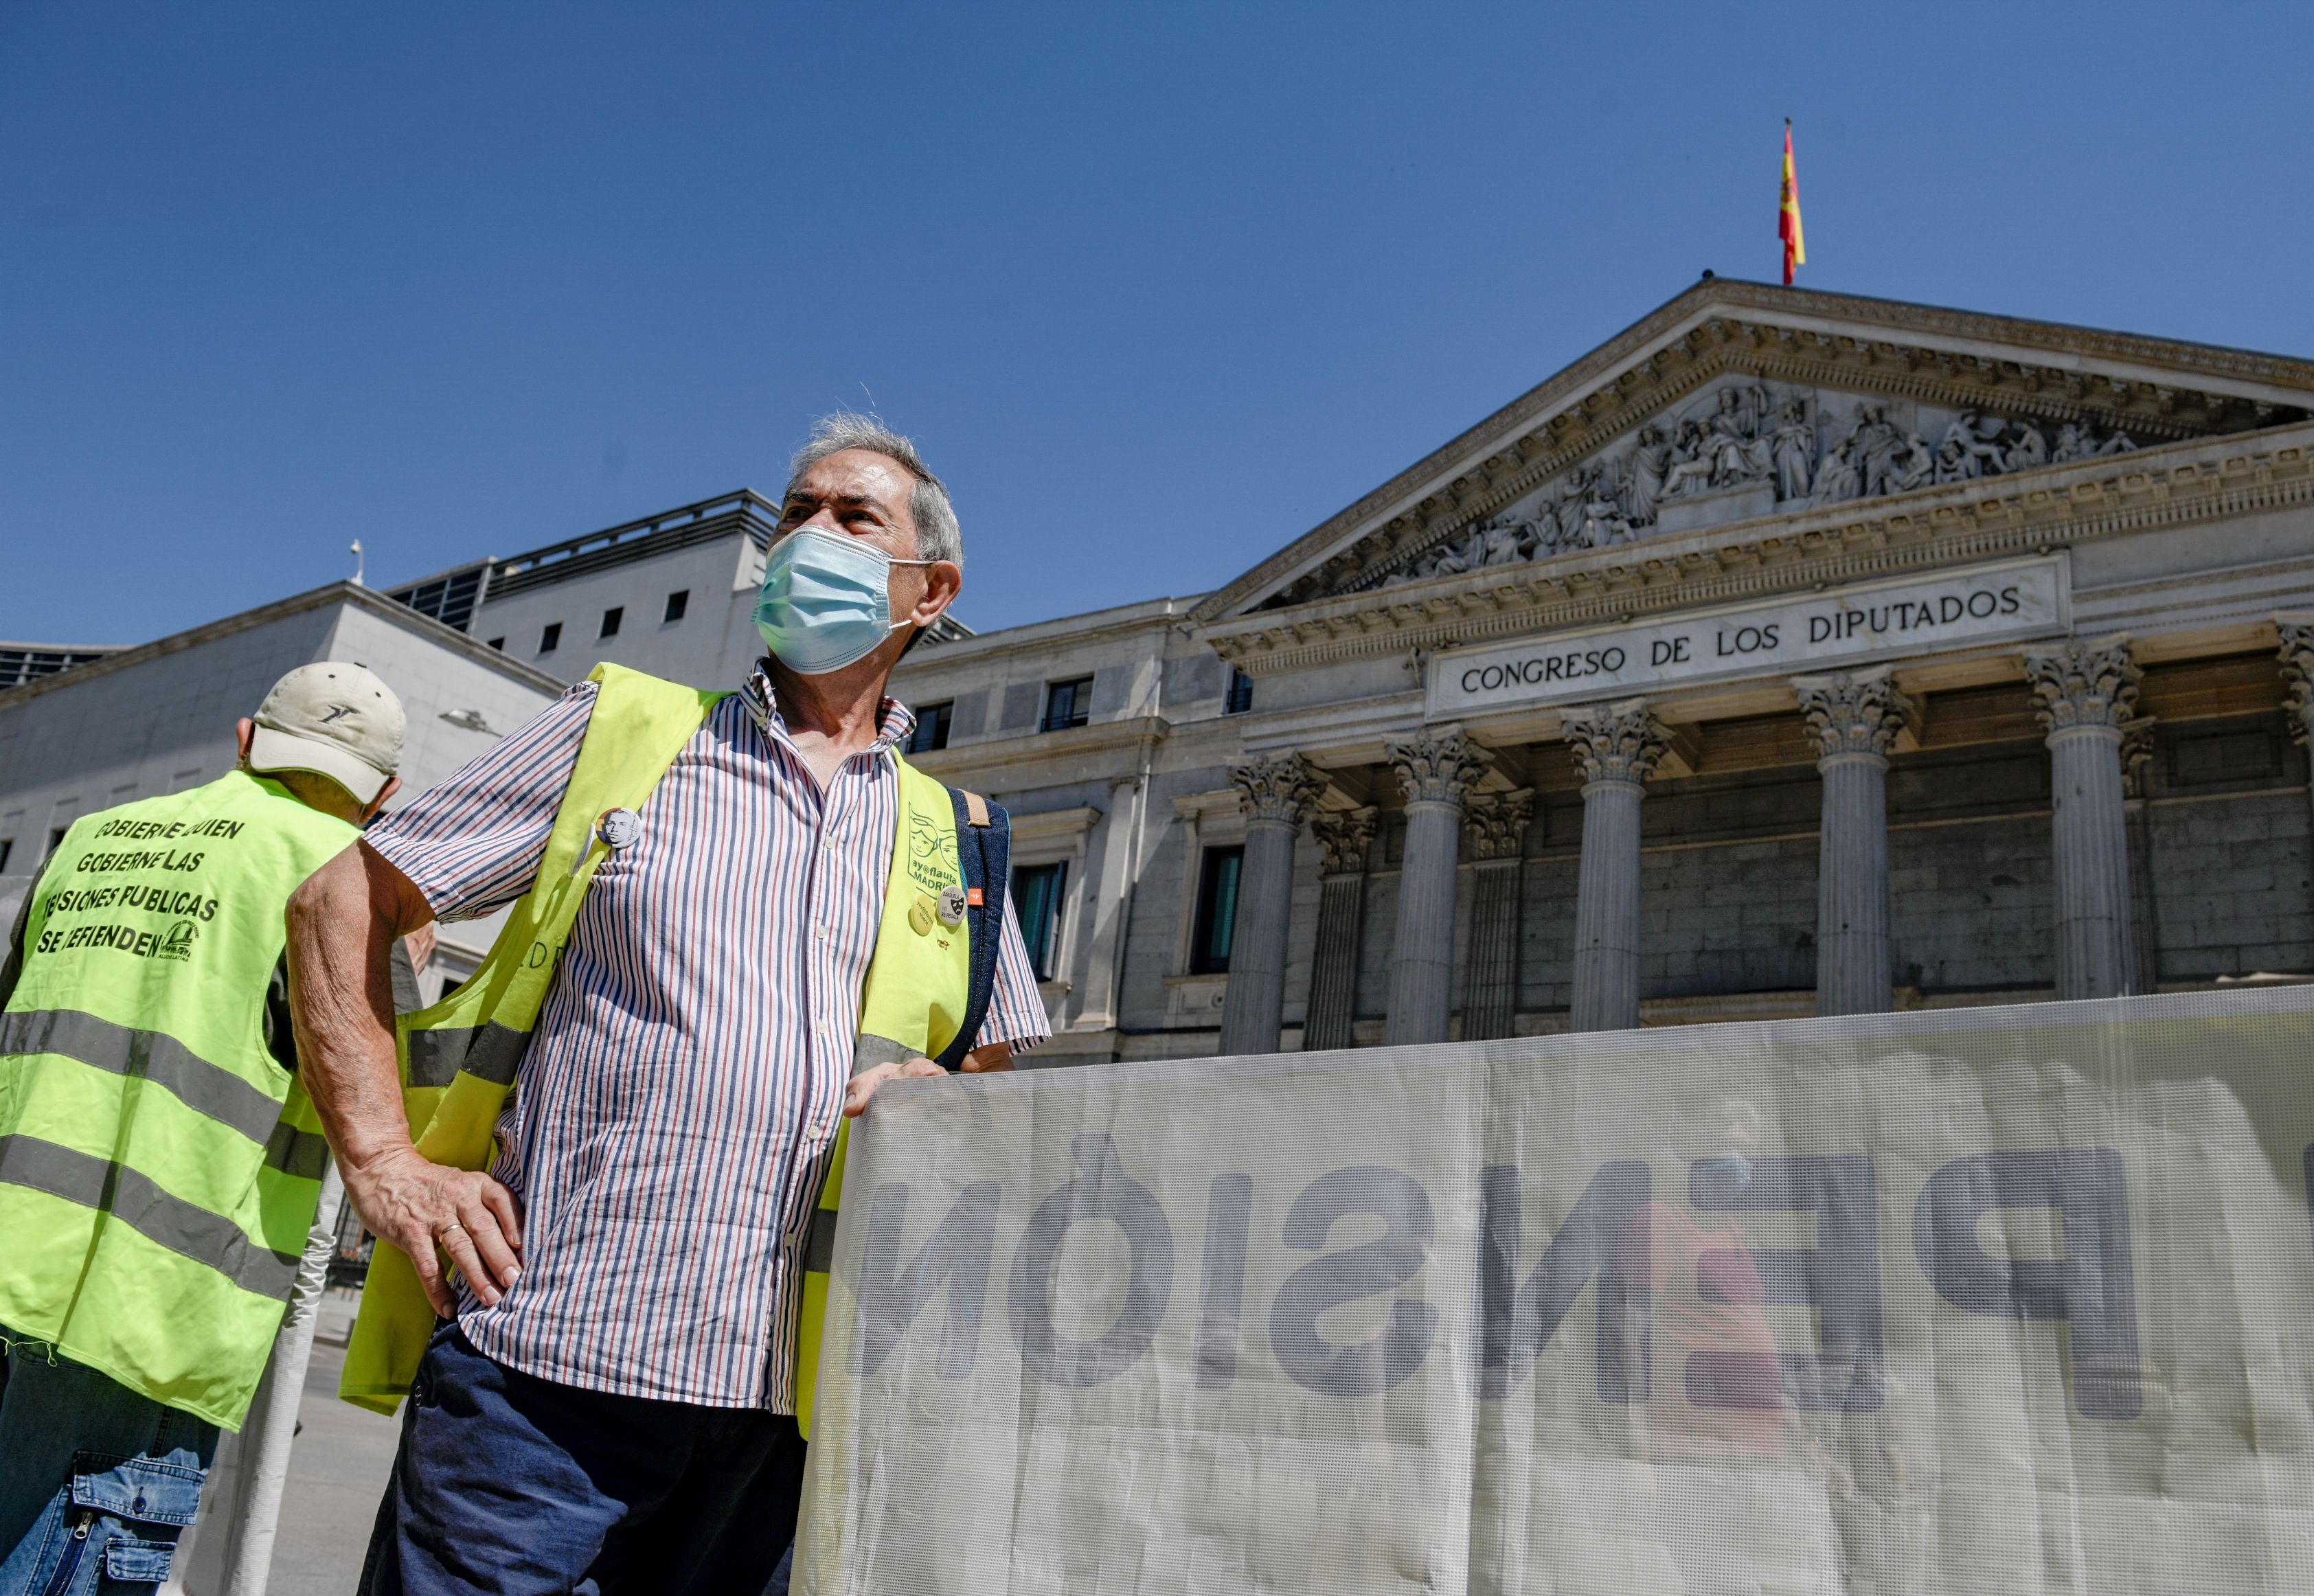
(1788, 212)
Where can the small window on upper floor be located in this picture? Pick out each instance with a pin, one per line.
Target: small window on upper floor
(1240, 694)
(611, 619)
(1037, 901)
(931, 728)
(1067, 703)
(7, 847)
(1216, 923)
(498, 643)
(56, 840)
(551, 638)
(677, 603)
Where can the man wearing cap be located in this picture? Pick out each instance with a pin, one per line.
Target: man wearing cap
(159, 1163)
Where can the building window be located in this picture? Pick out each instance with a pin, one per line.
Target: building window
(7, 847)
(1066, 703)
(1209, 948)
(1240, 694)
(677, 604)
(498, 643)
(550, 637)
(931, 728)
(56, 840)
(1036, 900)
(611, 619)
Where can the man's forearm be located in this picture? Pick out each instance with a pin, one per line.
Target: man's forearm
(342, 924)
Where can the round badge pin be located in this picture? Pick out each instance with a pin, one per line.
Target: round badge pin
(952, 906)
(619, 828)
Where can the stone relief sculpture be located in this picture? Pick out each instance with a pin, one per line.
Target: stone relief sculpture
(1739, 456)
(1644, 478)
(1792, 450)
(1968, 447)
(1742, 437)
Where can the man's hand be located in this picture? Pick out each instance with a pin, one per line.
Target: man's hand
(995, 1056)
(421, 1206)
(864, 1085)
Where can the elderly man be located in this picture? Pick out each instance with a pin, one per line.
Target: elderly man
(611, 1405)
(158, 1162)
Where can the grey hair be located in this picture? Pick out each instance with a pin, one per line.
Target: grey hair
(938, 536)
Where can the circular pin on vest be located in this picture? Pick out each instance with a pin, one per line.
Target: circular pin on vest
(619, 828)
(952, 906)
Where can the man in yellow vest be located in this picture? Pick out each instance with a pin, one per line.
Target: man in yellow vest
(610, 1404)
(158, 1163)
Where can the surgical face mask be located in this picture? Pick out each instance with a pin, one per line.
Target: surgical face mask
(826, 601)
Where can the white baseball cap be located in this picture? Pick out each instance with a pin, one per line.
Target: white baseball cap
(336, 719)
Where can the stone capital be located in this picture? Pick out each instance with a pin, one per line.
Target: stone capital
(1852, 712)
(2297, 636)
(1436, 767)
(1497, 823)
(1617, 742)
(2136, 752)
(2083, 685)
(1279, 787)
(1345, 835)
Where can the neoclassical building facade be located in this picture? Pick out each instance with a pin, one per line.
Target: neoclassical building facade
(1791, 653)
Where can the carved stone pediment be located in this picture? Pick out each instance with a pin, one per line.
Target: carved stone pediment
(1739, 403)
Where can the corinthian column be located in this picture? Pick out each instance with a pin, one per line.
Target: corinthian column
(2298, 670)
(1616, 747)
(1435, 772)
(1853, 719)
(2085, 692)
(1345, 836)
(1276, 793)
(1497, 824)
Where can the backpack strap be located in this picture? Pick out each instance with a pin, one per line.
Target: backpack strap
(983, 843)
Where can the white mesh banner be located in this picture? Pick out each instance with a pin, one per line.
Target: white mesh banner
(1998, 1301)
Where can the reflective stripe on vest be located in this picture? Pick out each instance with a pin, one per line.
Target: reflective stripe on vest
(158, 1168)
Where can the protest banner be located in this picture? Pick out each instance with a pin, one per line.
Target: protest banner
(1999, 1300)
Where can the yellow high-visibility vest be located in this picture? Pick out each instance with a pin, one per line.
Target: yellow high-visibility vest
(158, 1168)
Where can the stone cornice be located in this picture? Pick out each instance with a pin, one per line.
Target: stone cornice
(2177, 484)
(996, 761)
(2023, 367)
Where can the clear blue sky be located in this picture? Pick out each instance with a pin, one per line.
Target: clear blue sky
(1158, 287)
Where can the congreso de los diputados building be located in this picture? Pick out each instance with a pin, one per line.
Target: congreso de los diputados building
(1791, 653)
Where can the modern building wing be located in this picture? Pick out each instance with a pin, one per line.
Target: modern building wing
(29, 662)
(672, 593)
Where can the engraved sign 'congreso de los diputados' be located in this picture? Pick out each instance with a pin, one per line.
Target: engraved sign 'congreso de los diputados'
(1789, 653)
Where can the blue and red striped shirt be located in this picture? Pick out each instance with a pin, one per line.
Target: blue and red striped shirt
(682, 1090)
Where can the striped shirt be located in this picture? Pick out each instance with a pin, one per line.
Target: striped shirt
(681, 1093)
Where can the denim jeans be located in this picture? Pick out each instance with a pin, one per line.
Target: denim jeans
(96, 1480)
(509, 1483)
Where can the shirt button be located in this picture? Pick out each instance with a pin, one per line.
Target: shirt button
(821, 932)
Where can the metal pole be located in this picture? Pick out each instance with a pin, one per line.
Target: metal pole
(233, 1555)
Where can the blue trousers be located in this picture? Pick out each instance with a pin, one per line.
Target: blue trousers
(509, 1484)
(96, 1480)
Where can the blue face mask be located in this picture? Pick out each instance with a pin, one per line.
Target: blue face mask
(826, 601)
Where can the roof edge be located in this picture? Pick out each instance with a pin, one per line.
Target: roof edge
(359, 597)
